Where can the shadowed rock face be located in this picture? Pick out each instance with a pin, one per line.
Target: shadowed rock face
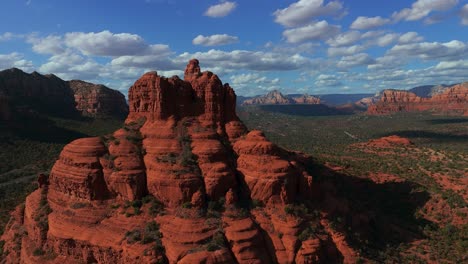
(96, 99)
(453, 100)
(182, 148)
(28, 94)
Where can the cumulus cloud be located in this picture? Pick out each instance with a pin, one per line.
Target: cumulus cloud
(452, 50)
(464, 15)
(447, 65)
(365, 23)
(359, 59)
(410, 37)
(422, 8)
(247, 60)
(71, 66)
(326, 80)
(345, 39)
(106, 43)
(387, 39)
(49, 45)
(304, 11)
(215, 40)
(221, 10)
(340, 51)
(253, 83)
(316, 31)
(387, 62)
(6, 36)
(15, 60)
(147, 61)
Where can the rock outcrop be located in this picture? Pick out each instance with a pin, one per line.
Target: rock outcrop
(30, 94)
(276, 97)
(97, 99)
(182, 182)
(453, 100)
(429, 90)
(36, 93)
(306, 99)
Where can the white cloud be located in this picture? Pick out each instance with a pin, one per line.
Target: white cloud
(447, 65)
(345, 39)
(106, 43)
(325, 80)
(71, 66)
(215, 40)
(464, 15)
(316, 31)
(410, 37)
(369, 22)
(254, 83)
(387, 39)
(221, 10)
(247, 60)
(452, 50)
(153, 61)
(340, 51)
(422, 8)
(387, 62)
(15, 60)
(6, 36)
(359, 59)
(304, 11)
(49, 45)
(373, 34)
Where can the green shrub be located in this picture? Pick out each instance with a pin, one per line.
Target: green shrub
(38, 252)
(187, 205)
(78, 205)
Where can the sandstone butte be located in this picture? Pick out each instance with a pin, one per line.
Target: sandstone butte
(182, 182)
(276, 97)
(453, 100)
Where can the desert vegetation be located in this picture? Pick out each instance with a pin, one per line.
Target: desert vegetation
(421, 188)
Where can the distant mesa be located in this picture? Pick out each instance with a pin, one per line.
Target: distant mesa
(443, 100)
(23, 94)
(276, 97)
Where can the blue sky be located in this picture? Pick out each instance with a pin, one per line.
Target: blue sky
(299, 46)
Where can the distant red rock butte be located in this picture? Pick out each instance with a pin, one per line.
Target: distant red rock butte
(277, 98)
(453, 100)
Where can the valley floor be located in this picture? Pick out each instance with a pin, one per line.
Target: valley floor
(418, 187)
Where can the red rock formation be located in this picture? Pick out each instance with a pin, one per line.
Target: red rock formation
(93, 99)
(453, 100)
(306, 99)
(273, 97)
(25, 94)
(154, 191)
(36, 93)
(276, 97)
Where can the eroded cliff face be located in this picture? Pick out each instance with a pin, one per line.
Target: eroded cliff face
(182, 182)
(23, 94)
(95, 99)
(26, 93)
(453, 100)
